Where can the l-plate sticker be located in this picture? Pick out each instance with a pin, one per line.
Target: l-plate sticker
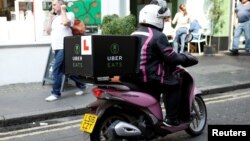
(86, 45)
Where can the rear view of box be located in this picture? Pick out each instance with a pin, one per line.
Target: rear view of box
(99, 55)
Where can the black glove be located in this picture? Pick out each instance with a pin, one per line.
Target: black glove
(190, 60)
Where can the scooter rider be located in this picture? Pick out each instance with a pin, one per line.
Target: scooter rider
(158, 60)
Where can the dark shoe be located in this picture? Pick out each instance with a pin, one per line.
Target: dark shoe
(170, 123)
(234, 51)
(176, 122)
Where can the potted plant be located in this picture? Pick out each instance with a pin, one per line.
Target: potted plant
(216, 25)
(115, 25)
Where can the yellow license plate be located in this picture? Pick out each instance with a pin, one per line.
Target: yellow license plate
(88, 123)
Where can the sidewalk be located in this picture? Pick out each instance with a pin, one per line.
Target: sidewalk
(24, 103)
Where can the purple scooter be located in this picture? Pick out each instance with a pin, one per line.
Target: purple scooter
(124, 113)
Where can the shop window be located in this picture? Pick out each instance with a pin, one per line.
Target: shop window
(16, 18)
(47, 5)
(7, 9)
(16, 9)
(25, 10)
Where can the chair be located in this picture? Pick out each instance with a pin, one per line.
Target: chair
(198, 41)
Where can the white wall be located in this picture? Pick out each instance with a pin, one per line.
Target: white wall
(119, 7)
(4, 33)
(22, 64)
(198, 12)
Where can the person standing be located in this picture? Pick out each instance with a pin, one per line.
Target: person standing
(182, 21)
(242, 12)
(59, 26)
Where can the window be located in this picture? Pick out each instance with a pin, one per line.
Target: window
(16, 18)
(7, 9)
(25, 9)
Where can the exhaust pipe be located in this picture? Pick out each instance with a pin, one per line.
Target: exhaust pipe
(123, 129)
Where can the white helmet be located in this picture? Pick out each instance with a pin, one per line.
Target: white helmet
(154, 14)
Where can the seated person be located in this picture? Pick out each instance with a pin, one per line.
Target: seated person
(194, 29)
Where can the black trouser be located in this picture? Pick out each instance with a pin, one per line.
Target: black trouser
(171, 97)
(77, 81)
(172, 101)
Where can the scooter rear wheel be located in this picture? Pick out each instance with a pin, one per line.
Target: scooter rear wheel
(199, 117)
(100, 130)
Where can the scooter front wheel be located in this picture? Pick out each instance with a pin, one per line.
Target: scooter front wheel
(199, 117)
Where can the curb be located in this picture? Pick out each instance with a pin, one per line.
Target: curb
(34, 117)
(224, 88)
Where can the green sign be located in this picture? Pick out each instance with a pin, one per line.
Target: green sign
(88, 11)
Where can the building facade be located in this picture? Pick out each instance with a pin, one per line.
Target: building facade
(24, 46)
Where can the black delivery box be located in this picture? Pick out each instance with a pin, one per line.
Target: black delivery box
(100, 55)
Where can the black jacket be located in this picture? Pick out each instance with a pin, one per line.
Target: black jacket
(157, 58)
